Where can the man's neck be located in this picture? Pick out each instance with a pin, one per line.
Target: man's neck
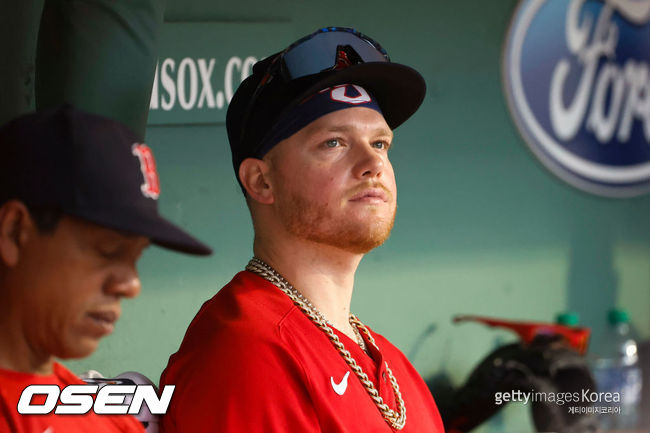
(21, 361)
(16, 354)
(321, 273)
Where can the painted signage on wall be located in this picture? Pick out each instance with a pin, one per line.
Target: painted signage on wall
(576, 76)
(201, 65)
(188, 83)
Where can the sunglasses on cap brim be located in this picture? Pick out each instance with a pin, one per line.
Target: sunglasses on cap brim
(327, 49)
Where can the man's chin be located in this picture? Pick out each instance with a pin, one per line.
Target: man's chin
(356, 232)
(81, 348)
(363, 246)
(359, 240)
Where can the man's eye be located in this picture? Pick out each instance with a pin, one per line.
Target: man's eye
(380, 145)
(109, 250)
(332, 143)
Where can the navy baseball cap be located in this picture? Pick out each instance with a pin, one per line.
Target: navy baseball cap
(90, 167)
(328, 57)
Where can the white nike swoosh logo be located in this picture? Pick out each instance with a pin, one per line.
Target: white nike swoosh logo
(340, 387)
(49, 430)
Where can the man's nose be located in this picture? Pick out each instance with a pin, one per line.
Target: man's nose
(370, 162)
(124, 283)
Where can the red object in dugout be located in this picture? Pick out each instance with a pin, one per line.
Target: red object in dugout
(578, 338)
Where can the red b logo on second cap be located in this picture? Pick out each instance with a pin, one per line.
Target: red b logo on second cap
(151, 186)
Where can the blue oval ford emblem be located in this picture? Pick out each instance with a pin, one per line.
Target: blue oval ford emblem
(577, 79)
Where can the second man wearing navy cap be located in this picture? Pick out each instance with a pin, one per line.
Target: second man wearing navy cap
(78, 205)
(277, 349)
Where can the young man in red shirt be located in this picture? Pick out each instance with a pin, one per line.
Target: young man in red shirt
(277, 349)
(78, 205)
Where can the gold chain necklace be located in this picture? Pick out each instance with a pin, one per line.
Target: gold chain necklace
(268, 268)
(395, 418)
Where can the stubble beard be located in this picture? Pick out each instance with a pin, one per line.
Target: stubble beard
(307, 220)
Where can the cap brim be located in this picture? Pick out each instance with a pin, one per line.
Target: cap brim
(399, 89)
(160, 231)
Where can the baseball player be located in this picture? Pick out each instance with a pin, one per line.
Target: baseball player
(78, 205)
(277, 349)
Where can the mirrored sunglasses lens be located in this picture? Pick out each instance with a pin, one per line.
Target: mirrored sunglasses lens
(319, 53)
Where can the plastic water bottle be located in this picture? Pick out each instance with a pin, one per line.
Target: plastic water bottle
(615, 369)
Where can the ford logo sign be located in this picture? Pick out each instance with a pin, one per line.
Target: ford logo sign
(577, 78)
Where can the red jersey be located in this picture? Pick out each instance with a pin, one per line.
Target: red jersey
(251, 361)
(12, 384)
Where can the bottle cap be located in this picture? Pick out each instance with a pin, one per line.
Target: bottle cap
(615, 317)
(568, 318)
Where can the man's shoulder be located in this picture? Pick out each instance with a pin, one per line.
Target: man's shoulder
(10, 379)
(237, 355)
(65, 376)
(240, 324)
(247, 307)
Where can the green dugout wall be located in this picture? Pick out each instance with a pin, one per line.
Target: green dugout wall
(482, 226)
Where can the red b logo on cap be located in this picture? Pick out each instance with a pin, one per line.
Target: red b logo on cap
(151, 186)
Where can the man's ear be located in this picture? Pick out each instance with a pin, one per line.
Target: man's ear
(15, 226)
(254, 176)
